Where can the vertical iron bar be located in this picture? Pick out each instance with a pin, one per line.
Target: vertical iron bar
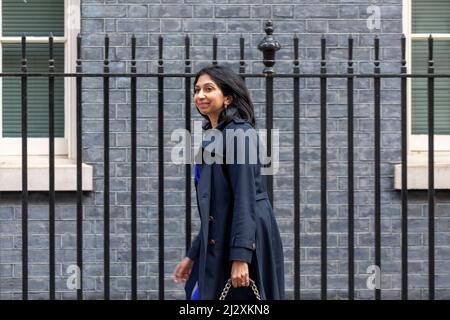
(323, 168)
(161, 167)
(214, 49)
(51, 140)
(377, 163)
(351, 225)
(296, 181)
(133, 172)
(241, 56)
(269, 126)
(404, 192)
(187, 125)
(269, 46)
(24, 111)
(431, 191)
(79, 172)
(106, 168)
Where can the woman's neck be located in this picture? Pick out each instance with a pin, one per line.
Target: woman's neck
(214, 121)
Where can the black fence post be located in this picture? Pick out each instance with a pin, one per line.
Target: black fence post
(377, 162)
(351, 182)
(24, 111)
(214, 62)
(431, 191)
(323, 167)
(106, 169)
(404, 192)
(161, 166)
(241, 56)
(51, 139)
(133, 172)
(269, 47)
(187, 125)
(296, 71)
(79, 80)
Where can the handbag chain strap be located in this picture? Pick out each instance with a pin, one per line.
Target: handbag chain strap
(227, 288)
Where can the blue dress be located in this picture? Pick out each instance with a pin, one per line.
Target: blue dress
(196, 294)
(196, 173)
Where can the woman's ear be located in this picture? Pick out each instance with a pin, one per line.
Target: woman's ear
(228, 100)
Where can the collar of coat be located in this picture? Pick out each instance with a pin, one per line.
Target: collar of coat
(220, 126)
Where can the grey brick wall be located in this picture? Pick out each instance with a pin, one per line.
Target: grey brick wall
(147, 19)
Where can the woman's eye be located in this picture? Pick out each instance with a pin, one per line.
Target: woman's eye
(206, 89)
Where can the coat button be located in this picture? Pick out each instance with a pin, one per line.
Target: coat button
(212, 242)
(253, 246)
(211, 218)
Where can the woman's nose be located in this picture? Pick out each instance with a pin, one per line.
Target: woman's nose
(201, 97)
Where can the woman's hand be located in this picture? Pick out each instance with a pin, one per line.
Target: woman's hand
(239, 274)
(183, 270)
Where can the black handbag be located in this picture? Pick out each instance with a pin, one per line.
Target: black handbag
(227, 288)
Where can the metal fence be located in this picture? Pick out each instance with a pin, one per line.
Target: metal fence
(268, 46)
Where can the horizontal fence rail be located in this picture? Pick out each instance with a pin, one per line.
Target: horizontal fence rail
(268, 46)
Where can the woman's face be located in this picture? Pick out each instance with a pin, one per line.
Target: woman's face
(209, 98)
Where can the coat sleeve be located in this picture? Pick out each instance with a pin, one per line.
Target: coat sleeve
(243, 225)
(194, 250)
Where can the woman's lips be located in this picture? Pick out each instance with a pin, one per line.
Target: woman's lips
(202, 104)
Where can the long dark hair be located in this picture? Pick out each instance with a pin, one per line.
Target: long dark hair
(232, 85)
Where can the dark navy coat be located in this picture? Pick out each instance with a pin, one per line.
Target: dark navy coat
(236, 223)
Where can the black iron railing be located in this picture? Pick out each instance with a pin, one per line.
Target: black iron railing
(269, 47)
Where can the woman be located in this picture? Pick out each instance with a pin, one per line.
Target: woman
(239, 237)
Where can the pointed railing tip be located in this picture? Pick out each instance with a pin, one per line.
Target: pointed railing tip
(268, 28)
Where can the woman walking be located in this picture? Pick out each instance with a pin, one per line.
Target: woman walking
(239, 237)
